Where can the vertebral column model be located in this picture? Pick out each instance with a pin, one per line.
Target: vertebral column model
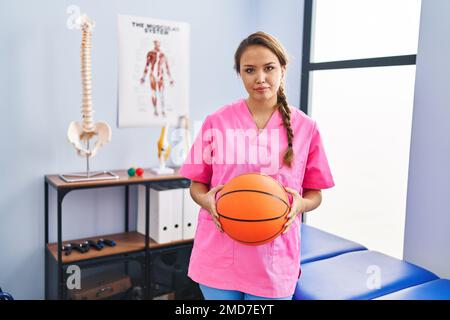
(79, 135)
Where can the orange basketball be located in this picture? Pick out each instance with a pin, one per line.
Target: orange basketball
(253, 208)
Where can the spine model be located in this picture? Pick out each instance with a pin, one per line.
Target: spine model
(86, 78)
(80, 134)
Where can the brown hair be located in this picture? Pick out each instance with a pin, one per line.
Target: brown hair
(266, 40)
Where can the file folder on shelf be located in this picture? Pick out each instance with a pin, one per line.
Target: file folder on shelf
(166, 213)
(190, 215)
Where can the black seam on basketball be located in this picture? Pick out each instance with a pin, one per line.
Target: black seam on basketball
(251, 220)
(257, 191)
(253, 242)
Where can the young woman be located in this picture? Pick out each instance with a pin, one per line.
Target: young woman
(261, 134)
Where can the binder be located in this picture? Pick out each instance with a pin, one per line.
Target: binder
(176, 196)
(166, 213)
(190, 215)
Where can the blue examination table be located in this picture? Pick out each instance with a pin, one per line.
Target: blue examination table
(334, 268)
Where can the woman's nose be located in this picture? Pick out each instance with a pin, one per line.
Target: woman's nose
(260, 77)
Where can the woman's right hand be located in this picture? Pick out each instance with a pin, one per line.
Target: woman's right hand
(208, 203)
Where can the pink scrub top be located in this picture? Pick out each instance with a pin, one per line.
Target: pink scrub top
(229, 144)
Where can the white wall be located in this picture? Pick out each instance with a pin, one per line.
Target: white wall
(427, 229)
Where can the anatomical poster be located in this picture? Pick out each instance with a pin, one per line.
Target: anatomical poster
(153, 71)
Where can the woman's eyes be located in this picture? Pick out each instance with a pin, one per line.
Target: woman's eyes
(268, 68)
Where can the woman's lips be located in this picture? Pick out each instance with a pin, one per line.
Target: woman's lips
(261, 89)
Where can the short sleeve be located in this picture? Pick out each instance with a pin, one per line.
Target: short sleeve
(317, 173)
(197, 166)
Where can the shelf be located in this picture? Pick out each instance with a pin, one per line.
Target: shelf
(129, 245)
(126, 242)
(124, 179)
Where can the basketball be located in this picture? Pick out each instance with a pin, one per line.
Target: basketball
(253, 208)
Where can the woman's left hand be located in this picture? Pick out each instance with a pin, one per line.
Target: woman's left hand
(298, 206)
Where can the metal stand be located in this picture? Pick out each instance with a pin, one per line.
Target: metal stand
(162, 169)
(88, 176)
(108, 175)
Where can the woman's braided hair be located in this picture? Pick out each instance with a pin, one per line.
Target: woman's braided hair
(271, 43)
